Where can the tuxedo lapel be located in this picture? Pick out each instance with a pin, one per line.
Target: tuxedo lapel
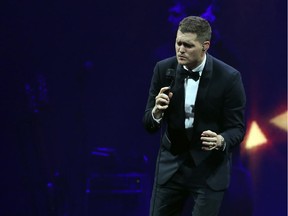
(203, 84)
(178, 100)
(198, 155)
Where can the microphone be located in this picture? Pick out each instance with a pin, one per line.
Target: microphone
(170, 76)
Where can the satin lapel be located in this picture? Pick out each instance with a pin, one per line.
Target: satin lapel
(204, 83)
(178, 88)
(179, 84)
(178, 100)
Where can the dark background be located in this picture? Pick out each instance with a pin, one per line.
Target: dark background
(75, 79)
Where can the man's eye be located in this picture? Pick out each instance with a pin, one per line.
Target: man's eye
(188, 45)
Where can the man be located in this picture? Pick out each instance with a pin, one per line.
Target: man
(201, 101)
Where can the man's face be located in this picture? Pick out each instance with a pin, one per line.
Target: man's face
(189, 50)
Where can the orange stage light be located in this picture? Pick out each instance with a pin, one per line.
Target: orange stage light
(255, 136)
(280, 121)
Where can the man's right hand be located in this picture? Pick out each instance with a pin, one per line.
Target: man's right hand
(162, 101)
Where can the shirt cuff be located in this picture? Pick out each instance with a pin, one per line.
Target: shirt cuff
(157, 120)
(224, 146)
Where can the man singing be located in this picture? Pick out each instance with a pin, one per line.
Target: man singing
(201, 102)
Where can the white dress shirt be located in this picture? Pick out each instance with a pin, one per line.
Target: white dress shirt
(191, 88)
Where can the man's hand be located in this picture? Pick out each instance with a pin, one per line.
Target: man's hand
(162, 101)
(211, 140)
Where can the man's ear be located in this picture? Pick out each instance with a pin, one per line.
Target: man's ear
(206, 45)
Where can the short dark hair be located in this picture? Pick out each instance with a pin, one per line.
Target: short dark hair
(198, 26)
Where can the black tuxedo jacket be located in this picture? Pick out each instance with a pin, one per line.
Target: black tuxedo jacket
(219, 107)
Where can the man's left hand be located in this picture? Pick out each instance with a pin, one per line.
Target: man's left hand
(211, 140)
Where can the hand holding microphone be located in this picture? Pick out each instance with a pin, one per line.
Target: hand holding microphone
(162, 101)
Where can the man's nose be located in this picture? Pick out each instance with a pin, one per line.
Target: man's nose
(181, 49)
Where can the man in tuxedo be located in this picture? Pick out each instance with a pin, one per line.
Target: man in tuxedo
(200, 100)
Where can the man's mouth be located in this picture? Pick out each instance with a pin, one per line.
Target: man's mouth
(181, 57)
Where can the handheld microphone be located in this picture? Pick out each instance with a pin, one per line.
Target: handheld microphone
(170, 76)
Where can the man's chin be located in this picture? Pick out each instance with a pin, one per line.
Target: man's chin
(181, 62)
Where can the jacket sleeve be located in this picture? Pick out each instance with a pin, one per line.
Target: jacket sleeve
(233, 113)
(149, 123)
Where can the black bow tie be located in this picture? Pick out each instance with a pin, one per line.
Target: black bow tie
(191, 74)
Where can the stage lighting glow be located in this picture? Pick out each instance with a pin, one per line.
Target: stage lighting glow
(255, 136)
(280, 121)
